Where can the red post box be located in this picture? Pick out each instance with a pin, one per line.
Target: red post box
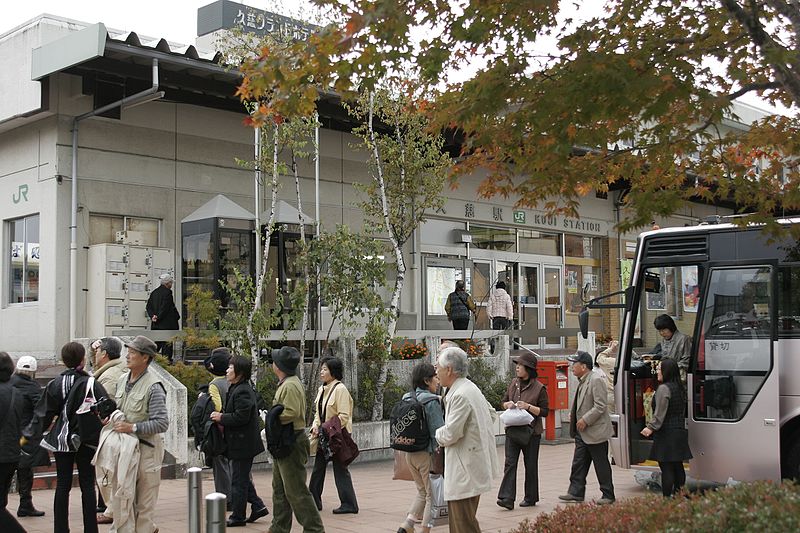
(554, 376)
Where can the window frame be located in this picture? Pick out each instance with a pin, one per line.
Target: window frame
(9, 270)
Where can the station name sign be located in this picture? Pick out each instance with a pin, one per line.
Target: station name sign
(505, 215)
(227, 15)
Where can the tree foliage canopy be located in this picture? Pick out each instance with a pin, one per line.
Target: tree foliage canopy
(636, 97)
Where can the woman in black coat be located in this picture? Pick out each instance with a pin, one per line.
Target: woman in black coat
(243, 440)
(670, 438)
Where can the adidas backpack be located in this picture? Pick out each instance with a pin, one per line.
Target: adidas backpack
(408, 425)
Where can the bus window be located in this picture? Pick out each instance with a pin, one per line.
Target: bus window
(789, 301)
(735, 354)
(665, 290)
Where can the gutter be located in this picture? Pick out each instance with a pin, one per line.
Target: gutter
(135, 99)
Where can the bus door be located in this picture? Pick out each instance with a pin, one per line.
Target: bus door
(733, 409)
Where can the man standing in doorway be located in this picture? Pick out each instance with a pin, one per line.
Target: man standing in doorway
(163, 313)
(459, 306)
(590, 426)
(143, 400)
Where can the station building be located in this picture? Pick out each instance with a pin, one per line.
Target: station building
(158, 182)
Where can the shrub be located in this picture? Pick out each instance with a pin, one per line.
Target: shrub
(483, 374)
(762, 506)
(407, 350)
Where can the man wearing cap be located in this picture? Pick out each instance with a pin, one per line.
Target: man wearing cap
(24, 381)
(527, 393)
(109, 368)
(289, 489)
(162, 312)
(143, 400)
(217, 363)
(590, 426)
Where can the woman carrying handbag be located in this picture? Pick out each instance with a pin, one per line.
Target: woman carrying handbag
(333, 400)
(527, 394)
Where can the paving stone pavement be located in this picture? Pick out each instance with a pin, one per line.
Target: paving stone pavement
(383, 502)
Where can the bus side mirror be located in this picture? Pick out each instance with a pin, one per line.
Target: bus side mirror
(583, 322)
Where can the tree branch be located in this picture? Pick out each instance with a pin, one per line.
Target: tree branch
(754, 87)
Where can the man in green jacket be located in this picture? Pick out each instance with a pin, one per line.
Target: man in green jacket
(289, 489)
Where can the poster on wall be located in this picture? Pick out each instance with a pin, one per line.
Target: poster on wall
(572, 281)
(657, 301)
(691, 290)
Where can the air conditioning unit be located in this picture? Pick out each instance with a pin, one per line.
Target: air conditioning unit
(130, 237)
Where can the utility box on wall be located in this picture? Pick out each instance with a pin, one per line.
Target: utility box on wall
(120, 279)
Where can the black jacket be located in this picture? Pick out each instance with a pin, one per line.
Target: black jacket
(28, 392)
(240, 420)
(162, 305)
(10, 415)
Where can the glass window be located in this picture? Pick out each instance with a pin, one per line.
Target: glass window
(24, 260)
(536, 242)
(440, 282)
(579, 246)
(234, 255)
(735, 355)
(503, 239)
(789, 301)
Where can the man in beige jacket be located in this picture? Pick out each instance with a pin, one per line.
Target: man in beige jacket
(590, 426)
(468, 437)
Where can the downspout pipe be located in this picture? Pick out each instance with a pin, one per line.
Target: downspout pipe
(139, 98)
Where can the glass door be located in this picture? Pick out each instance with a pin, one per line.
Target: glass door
(482, 284)
(553, 304)
(529, 303)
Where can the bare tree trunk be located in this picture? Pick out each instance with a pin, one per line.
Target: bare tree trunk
(265, 255)
(394, 305)
(304, 320)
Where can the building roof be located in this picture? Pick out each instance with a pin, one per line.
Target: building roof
(219, 207)
(286, 213)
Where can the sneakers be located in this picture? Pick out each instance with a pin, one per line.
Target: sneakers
(605, 501)
(570, 498)
(506, 504)
(255, 515)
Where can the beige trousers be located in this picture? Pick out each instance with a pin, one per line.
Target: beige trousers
(419, 463)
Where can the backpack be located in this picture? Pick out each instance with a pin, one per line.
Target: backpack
(408, 425)
(208, 437)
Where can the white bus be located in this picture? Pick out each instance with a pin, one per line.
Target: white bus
(738, 296)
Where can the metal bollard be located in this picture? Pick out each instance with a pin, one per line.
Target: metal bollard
(195, 478)
(215, 512)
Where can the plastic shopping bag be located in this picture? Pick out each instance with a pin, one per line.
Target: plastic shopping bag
(439, 514)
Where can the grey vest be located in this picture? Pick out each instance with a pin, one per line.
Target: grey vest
(136, 402)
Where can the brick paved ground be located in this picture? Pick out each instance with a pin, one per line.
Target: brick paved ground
(383, 502)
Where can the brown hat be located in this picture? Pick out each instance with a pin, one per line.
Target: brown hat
(143, 345)
(526, 359)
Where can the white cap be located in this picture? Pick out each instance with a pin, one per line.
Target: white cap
(165, 278)
(26, 362)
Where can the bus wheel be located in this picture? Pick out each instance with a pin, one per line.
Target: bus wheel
(790, 462)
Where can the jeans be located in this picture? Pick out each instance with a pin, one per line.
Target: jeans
(65, 462)
(242, 489)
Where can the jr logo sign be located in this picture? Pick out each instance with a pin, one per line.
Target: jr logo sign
(21, 194)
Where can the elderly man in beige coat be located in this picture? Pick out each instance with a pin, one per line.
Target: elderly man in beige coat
(468, 437)
(590, 425)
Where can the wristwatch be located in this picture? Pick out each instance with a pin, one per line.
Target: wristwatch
(134, 428)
